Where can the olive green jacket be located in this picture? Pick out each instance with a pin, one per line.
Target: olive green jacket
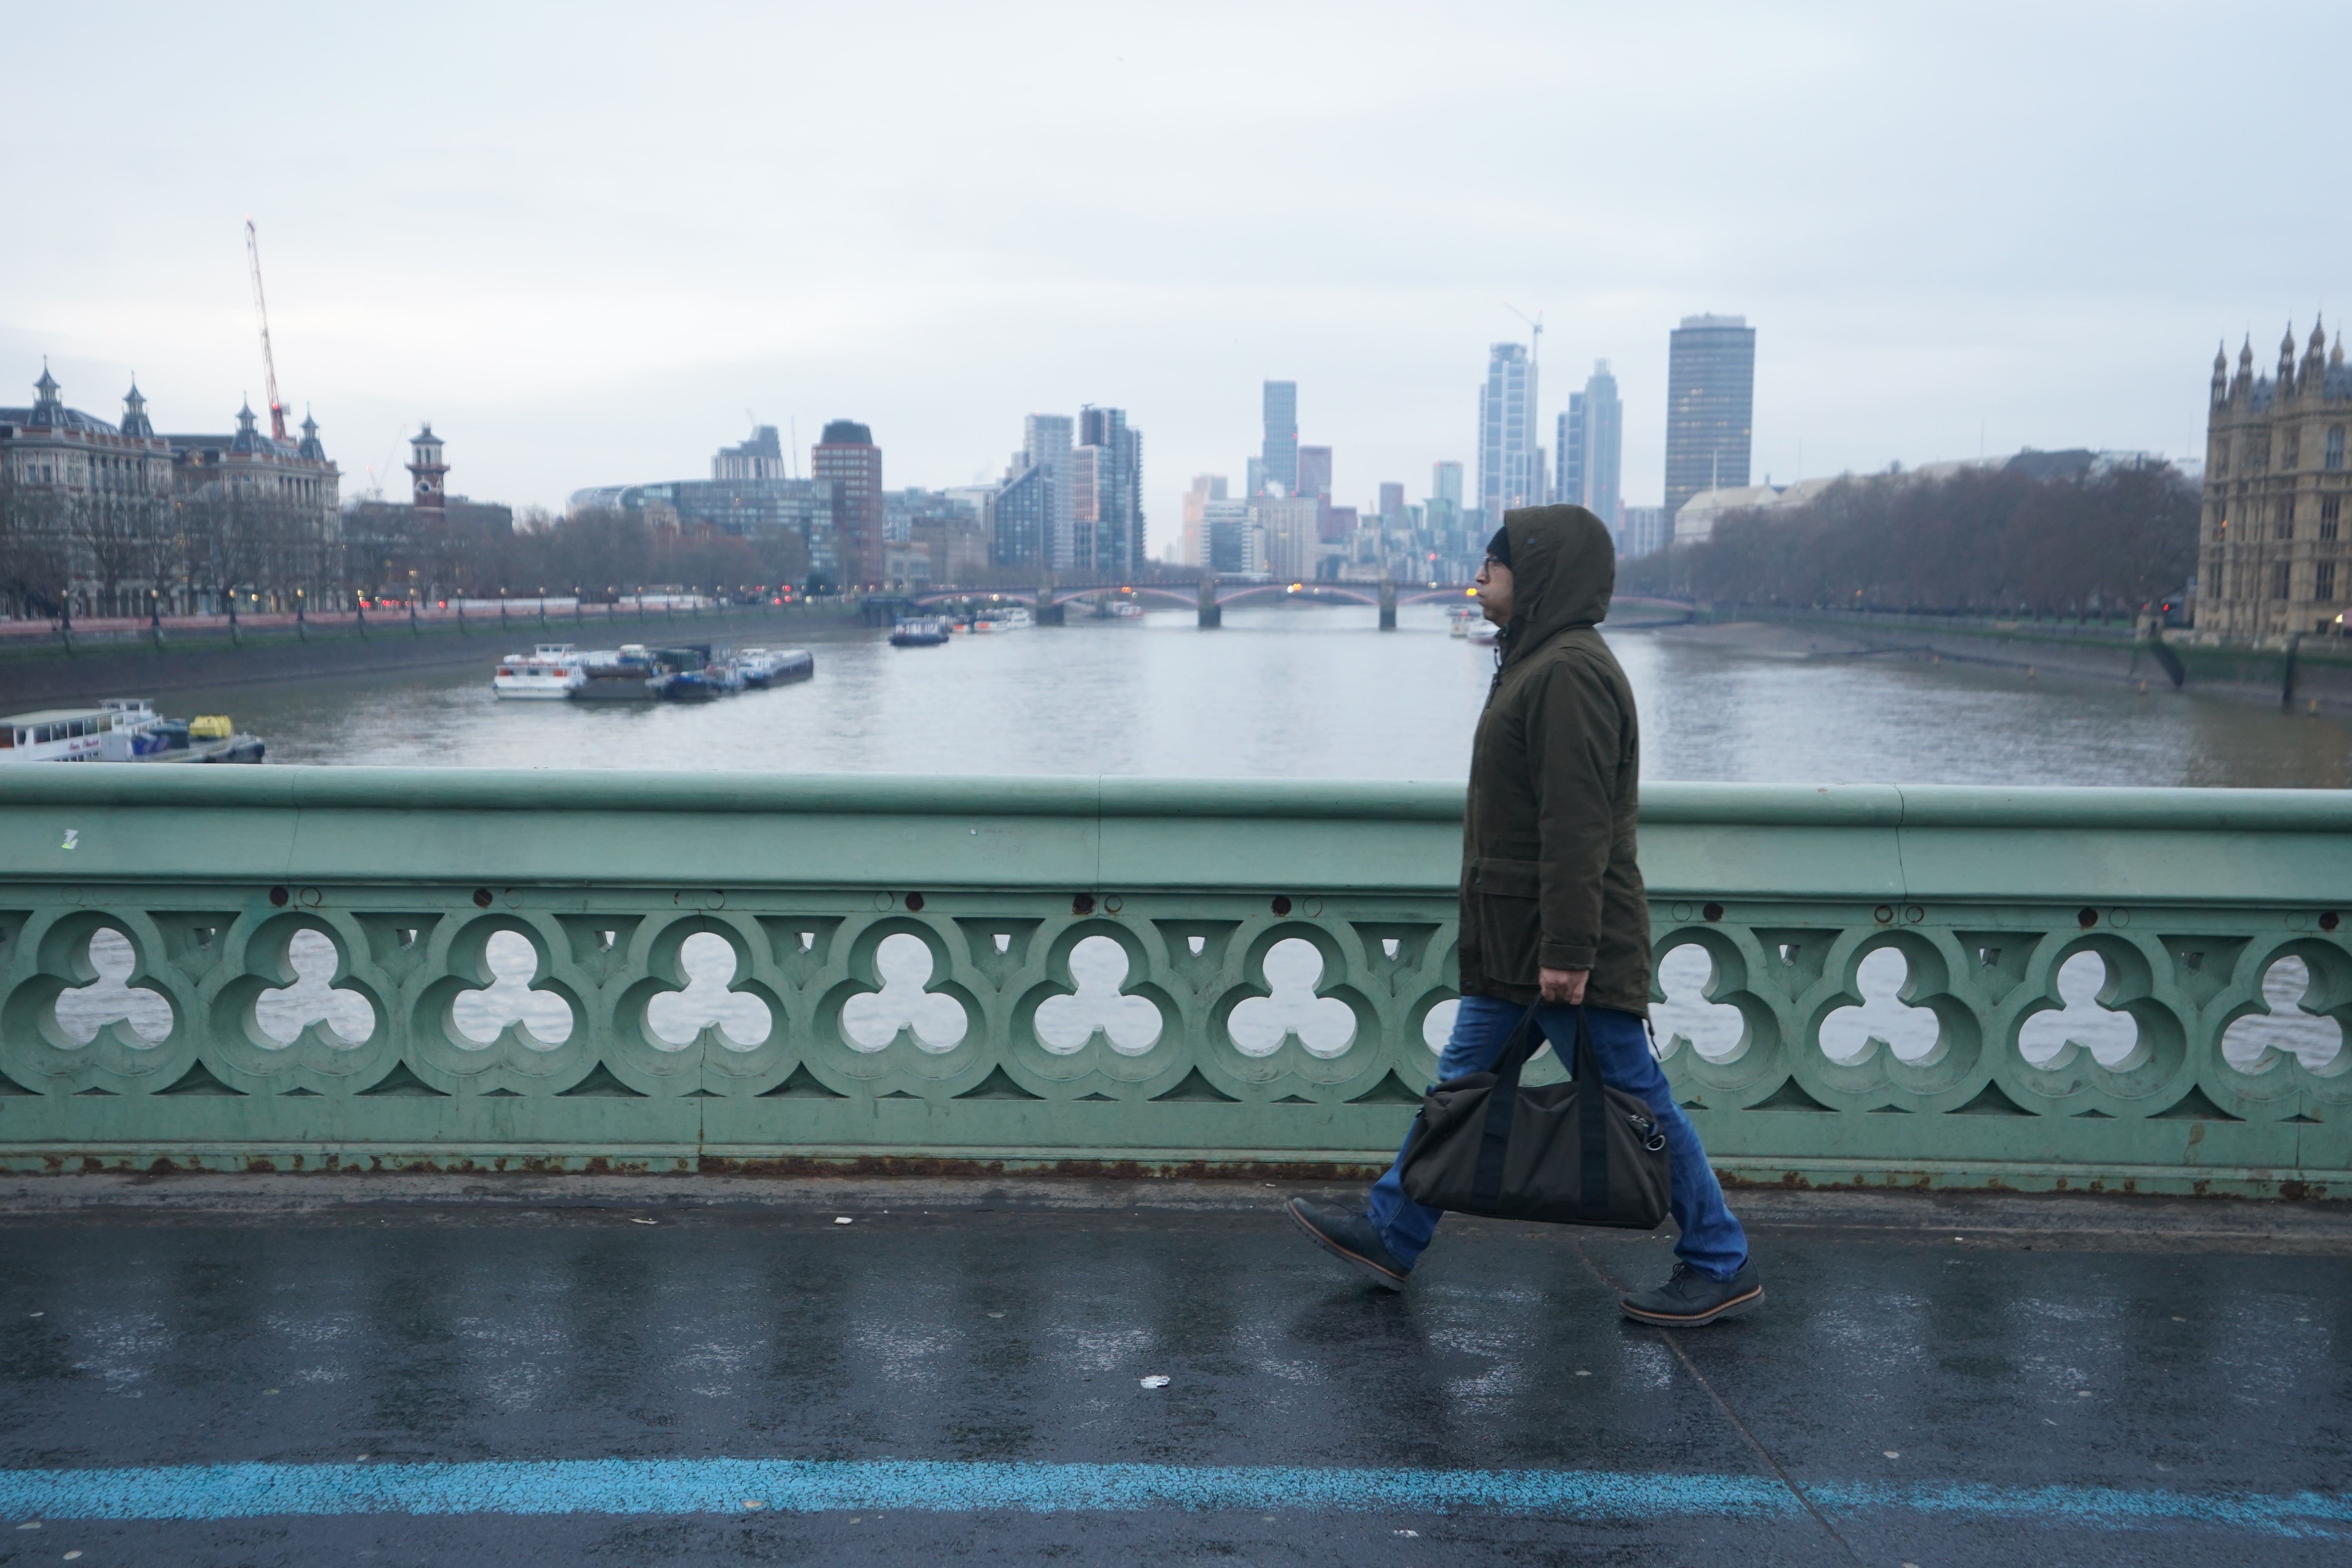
(1549, 875)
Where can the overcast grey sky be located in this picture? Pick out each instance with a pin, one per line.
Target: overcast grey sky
(585, 240)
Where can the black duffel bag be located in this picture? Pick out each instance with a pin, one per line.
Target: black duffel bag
(1564, 1153)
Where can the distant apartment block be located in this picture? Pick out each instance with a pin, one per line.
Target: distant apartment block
(1107, 498)
(1049, 441)
(1710, 406)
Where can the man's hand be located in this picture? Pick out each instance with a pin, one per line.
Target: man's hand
(1562, 985)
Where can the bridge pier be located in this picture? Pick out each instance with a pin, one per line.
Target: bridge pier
(1388, 603)
(1212, 614)
(1047, 614)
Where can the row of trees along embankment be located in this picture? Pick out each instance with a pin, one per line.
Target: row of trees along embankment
(1990, 540)
(93, 555)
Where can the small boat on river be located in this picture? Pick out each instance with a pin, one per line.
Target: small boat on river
(1003, 618)
(122, 730)
(920, 631)
(553, 671)
(765, 667)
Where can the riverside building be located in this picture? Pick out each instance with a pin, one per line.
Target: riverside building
(107, 520)
(2271, 550)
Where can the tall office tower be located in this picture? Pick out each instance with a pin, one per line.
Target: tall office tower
(1281, 448)
(1591, 448)
(1568, 486)
(1046, 443)
(1509, 470)
(1604, 445)
(1108, 502)
(1391, 501)
(1206, 488)
(1710, 406)
(845, 456)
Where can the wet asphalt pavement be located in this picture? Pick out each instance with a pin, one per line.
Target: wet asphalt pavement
(1933, 1381)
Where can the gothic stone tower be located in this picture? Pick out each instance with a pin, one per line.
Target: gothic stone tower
(2271, 557)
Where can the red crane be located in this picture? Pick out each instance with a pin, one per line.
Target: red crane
(262, 314)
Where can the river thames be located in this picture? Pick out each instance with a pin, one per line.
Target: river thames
(1305, 692)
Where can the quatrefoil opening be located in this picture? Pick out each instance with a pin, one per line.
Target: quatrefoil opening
(872, 1019)
(1325, 1026)
(133, 1014)
(676, 1019)
(2295, 1019)
(2086, 983)
(1689, 976)
(1099, 968)
(308, 963)
(1910, 1032)
(508, 999)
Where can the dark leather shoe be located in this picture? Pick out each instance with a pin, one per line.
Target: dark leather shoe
(1351, 1237)
(1689, 1297)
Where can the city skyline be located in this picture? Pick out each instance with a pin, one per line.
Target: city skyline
(424, 231)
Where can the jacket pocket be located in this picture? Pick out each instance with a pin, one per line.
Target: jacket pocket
(1510, 932)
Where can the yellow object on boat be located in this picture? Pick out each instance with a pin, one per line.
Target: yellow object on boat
(211, 727)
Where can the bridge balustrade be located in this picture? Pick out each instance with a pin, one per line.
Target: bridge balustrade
(308, 968)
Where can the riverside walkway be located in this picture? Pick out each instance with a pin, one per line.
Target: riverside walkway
(200, 1370)
(443, 1166)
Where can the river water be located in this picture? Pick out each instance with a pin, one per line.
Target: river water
(1306, 691)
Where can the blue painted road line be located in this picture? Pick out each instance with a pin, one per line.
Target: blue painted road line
(736, 1486)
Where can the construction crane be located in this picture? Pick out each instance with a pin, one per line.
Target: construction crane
(262, 314)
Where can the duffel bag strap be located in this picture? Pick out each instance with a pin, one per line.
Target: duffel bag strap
(1591, 1126)
(1495, 1136)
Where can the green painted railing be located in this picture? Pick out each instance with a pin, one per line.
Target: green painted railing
(290, 968)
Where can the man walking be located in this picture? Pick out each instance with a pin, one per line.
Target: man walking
(1553, 911)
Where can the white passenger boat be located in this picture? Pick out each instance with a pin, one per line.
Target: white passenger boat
(121, 730)
(1003, 618)
(1461, 618)
(555, 669)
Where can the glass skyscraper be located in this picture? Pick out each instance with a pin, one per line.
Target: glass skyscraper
(1281, 448)
(1509, 473)
(1710, 406)
(1591, 444)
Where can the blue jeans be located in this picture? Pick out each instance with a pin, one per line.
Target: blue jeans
(1711, 1241)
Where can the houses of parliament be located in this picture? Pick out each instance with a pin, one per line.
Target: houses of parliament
(2273, 557)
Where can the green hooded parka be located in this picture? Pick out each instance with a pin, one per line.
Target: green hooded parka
(1548, 878)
